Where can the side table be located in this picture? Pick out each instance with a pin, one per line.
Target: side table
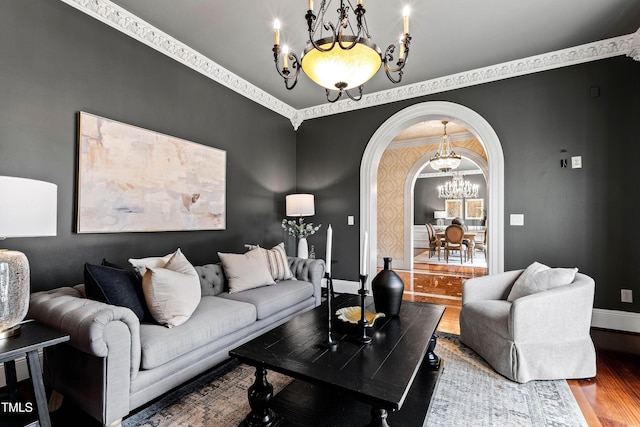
(32, 338)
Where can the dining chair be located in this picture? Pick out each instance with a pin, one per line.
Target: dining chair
(454, 236)
(435, 244)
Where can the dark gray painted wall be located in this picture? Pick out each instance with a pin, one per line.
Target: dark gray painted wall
(573, 217)
(426, 200)
(57, 61)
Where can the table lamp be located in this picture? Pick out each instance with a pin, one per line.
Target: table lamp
(301, 205)
(440, 216)
(28, 208)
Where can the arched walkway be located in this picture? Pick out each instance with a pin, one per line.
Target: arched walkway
(435, 110)
(409, 185)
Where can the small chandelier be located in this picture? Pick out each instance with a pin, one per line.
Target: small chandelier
(339, 56)
(458, 188)
(445, 158)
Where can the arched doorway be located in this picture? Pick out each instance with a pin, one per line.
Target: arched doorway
(435, 110)
(409, 185)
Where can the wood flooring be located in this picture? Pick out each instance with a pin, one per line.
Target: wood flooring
(611, 399)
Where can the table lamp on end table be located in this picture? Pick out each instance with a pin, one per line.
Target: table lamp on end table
(29, 208)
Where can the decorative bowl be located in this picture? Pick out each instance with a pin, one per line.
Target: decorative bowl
(353, 315)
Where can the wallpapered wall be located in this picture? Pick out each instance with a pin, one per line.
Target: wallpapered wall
(392, 173)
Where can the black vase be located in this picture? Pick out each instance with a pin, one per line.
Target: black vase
(388, 288)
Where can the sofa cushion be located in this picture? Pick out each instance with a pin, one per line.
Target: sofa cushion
(277, 261)
(538, 278)
(214, 318)
(272, 299)
(246, 271)
(173, 292)
(115, 286)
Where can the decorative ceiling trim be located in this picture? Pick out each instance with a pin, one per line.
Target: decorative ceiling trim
(135, 27)
(124, 21)
(634, 51)
(430, 140)
(548, 61)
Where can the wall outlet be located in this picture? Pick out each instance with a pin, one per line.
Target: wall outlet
(626, 295)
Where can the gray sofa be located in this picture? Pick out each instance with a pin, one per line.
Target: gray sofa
(542, 336)
(114, 364)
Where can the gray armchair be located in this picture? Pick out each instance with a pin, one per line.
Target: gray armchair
(542, 336)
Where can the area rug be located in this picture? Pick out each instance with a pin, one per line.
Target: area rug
(426, 258)
(469, 393)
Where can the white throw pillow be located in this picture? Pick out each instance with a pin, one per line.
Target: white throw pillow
(538, 278)
(172, 292)
(140, 265)
(246, 271)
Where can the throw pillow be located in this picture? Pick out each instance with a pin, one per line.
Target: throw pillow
(140, 265)
(246, 271)
(538, 278)
(114, 286)
(277, 261)
(172, 292)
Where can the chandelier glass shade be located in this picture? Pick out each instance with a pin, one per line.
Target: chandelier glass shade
(340, 56)
(458, 188)
(445, 158)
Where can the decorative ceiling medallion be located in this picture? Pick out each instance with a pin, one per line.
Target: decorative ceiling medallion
(135, 27)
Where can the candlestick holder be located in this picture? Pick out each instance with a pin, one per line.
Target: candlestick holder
(329, 343)
(363, 323)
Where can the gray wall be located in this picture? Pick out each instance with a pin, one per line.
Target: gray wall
(573, 217)
(57, 61)
(426, 200)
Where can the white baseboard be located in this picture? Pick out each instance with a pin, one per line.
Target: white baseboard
(22, 370)
(616, 320)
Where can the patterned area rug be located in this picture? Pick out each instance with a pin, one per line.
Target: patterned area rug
(469, 393)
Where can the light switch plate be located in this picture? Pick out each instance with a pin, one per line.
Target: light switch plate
(576, 162)
(350, 220)
(516, 219)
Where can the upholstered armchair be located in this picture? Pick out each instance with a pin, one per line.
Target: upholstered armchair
(531, 333)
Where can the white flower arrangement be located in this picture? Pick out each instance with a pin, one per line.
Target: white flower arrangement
(298, 228)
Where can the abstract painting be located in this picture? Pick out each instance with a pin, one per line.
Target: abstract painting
(132, 179)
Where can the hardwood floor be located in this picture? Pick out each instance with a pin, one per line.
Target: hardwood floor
(611, 399)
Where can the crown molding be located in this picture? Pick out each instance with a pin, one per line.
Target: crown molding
(634, 50)
(548, 61)
(124, 21)
(430, 140)
(135, 27)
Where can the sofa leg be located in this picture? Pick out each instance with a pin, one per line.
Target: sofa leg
(116, 423)
(55, 401)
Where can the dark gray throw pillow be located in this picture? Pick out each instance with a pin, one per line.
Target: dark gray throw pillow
(115, 286)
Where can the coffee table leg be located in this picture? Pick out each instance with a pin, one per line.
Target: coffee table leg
(433, 360)
(260, 394)
(378, 418)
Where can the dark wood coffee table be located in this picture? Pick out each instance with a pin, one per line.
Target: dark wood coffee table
(389, 382)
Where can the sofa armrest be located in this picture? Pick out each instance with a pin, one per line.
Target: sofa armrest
(310, 270)
(494, 287)
(88, 323)
(566, 311)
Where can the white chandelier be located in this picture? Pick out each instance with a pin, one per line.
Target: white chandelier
(445, 158)
(458, 188)
(340, 56)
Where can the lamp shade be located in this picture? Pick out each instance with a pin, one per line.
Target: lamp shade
(28, 207)
(300, 205)
(440, 214)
